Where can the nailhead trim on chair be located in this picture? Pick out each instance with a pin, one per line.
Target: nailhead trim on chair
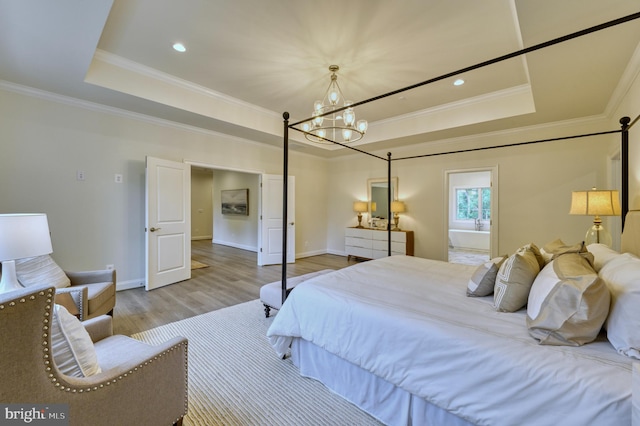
(50, 293)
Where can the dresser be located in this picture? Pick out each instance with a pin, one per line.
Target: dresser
(369, 243)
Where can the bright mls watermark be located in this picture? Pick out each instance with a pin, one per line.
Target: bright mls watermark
(34, 414)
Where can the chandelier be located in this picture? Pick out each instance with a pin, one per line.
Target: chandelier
(338, 126)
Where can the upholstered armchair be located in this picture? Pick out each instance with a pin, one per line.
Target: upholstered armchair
(93, 292)
(138, 384)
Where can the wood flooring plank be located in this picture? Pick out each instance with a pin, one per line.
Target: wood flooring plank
(232, 277)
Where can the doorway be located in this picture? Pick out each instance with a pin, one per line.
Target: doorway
(210, 222)
(471, 215)
(252, 230)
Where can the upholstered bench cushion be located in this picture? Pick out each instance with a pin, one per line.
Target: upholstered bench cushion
(271, 294)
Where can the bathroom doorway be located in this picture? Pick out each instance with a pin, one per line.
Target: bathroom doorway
(471, 215)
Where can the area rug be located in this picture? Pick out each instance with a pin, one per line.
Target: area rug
(198, 265)
(235, 377)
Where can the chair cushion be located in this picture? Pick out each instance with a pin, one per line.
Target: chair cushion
(40, 270)
(71, 346)
(98, 294)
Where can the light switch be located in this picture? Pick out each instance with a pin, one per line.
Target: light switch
(80, 175)
(118, 178)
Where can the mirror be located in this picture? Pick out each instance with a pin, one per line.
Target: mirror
(377, 193)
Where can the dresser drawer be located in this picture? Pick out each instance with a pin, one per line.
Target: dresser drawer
(358, 242)
(360, 252)
(359, 233)
(370, 243)
(400, 237)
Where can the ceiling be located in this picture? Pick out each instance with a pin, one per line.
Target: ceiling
(248, 61)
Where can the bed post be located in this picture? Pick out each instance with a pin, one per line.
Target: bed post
(389, 203)
(285, 193)
(624, 122)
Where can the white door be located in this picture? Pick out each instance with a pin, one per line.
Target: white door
(168, 222)
(270, 244)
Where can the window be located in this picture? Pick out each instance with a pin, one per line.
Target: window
(473, 203)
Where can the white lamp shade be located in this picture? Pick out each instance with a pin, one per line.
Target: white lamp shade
(397, 207)
(24, 235)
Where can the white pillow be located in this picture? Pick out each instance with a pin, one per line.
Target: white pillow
(622, 276)
(71, 346)
(568, 302)
(41, 270)
(601, 255)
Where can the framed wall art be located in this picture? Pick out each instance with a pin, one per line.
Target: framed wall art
(235, 202)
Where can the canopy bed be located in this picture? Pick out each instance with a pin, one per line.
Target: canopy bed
(423, 352)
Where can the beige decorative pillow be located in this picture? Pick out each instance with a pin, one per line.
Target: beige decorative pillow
(515, 278)
(568, 302)
(484, 278)
(72, 348)
(536, 252)
(40, 270)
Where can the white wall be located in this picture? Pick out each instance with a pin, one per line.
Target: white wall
(535, 184)
(96, 222)
(236, 231)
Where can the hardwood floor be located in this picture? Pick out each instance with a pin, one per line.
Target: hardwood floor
(232, 277)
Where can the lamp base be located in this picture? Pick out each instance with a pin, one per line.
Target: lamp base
(396, 220)
(598, 235)
(9, 281)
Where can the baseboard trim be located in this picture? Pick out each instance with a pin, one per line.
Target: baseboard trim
(128, 285)
(310, 253)
(234, 245)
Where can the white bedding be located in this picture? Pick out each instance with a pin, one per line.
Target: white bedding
(408, 321)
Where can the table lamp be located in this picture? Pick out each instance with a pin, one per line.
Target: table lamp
(360, 207)
(596, 203)
(21, 236)
(397, 207)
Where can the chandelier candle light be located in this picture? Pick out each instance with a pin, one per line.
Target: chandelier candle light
(328, 125)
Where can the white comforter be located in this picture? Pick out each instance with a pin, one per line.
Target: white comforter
(409, 321)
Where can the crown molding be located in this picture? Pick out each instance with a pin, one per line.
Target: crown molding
(135, 67)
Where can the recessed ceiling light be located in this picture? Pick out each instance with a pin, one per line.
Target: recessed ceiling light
(179, 47)
(458, 82)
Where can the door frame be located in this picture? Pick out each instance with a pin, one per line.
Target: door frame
(493, 227)
(258, 173)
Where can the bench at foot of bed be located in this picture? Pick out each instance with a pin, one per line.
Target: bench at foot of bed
(271, 294)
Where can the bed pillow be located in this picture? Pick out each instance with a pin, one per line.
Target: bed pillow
(558, 247)
(40, 270)
(484, 278)
(515, 278)
(72, 348)
(601, 255)
(568, 302)
(622, 276)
